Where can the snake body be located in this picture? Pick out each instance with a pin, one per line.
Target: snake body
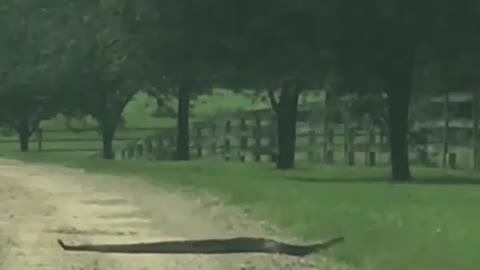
(208, 246)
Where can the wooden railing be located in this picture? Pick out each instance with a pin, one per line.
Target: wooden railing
(252, 137)
(79, 140)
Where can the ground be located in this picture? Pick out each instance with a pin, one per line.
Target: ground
(41, 203)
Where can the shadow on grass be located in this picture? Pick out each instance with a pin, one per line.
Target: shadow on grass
(429, 180)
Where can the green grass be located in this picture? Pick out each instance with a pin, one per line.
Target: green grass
(425, 226)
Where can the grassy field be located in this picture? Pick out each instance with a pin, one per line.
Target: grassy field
(432, 225)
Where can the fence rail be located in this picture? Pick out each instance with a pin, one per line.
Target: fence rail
(255, 139)
(67, 143)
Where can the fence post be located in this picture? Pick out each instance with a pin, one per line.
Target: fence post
(156, 147)
(475, 132)
(40, 139)
(226, 149)
(214, 141)
(446, 130)
(452, 160)
(257, 134)
(228, 127)
(131, 151)
(149, 146)
(243, 138)
(227, 142)
(329, 140)
(350, 147)
(370, 157)
(384, 140)
(421, 147)
(369, 149)
(273, 139)
(312, 141)
(476, 157)
(198, 141)
(172, 147)
(346, 130)
(140, 149)
(161, 148)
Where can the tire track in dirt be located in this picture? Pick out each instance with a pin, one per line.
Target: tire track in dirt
(41, 203)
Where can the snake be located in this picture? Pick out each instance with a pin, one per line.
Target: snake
(208, 246)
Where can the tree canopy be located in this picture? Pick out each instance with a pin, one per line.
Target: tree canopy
(32, 58)
(91, 57)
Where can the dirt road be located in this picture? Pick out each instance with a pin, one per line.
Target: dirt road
(41, 203)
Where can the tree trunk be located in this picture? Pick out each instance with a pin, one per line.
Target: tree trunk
(23, 132)
(398, 105)
(24, 137)
(398, 72)
(287, 126)
(107, 143)
(183, 117)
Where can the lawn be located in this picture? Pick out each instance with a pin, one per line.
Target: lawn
(432, 225)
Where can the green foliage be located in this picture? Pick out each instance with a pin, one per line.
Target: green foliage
(35, 37)
(180, 54)
(271, 43)
(105, 65)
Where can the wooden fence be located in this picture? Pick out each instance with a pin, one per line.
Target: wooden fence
(78, 140)
(248, 138)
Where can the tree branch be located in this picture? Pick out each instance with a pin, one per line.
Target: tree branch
(273, 99)
(34, 126)
(11, 123)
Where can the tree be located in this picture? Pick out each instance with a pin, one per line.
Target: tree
(105, 69)
(280, 48)
(23, 108)
(383, 54)
(240, 45)
(461, 73)
(388, 52)
(182, 50)
(36, 38)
